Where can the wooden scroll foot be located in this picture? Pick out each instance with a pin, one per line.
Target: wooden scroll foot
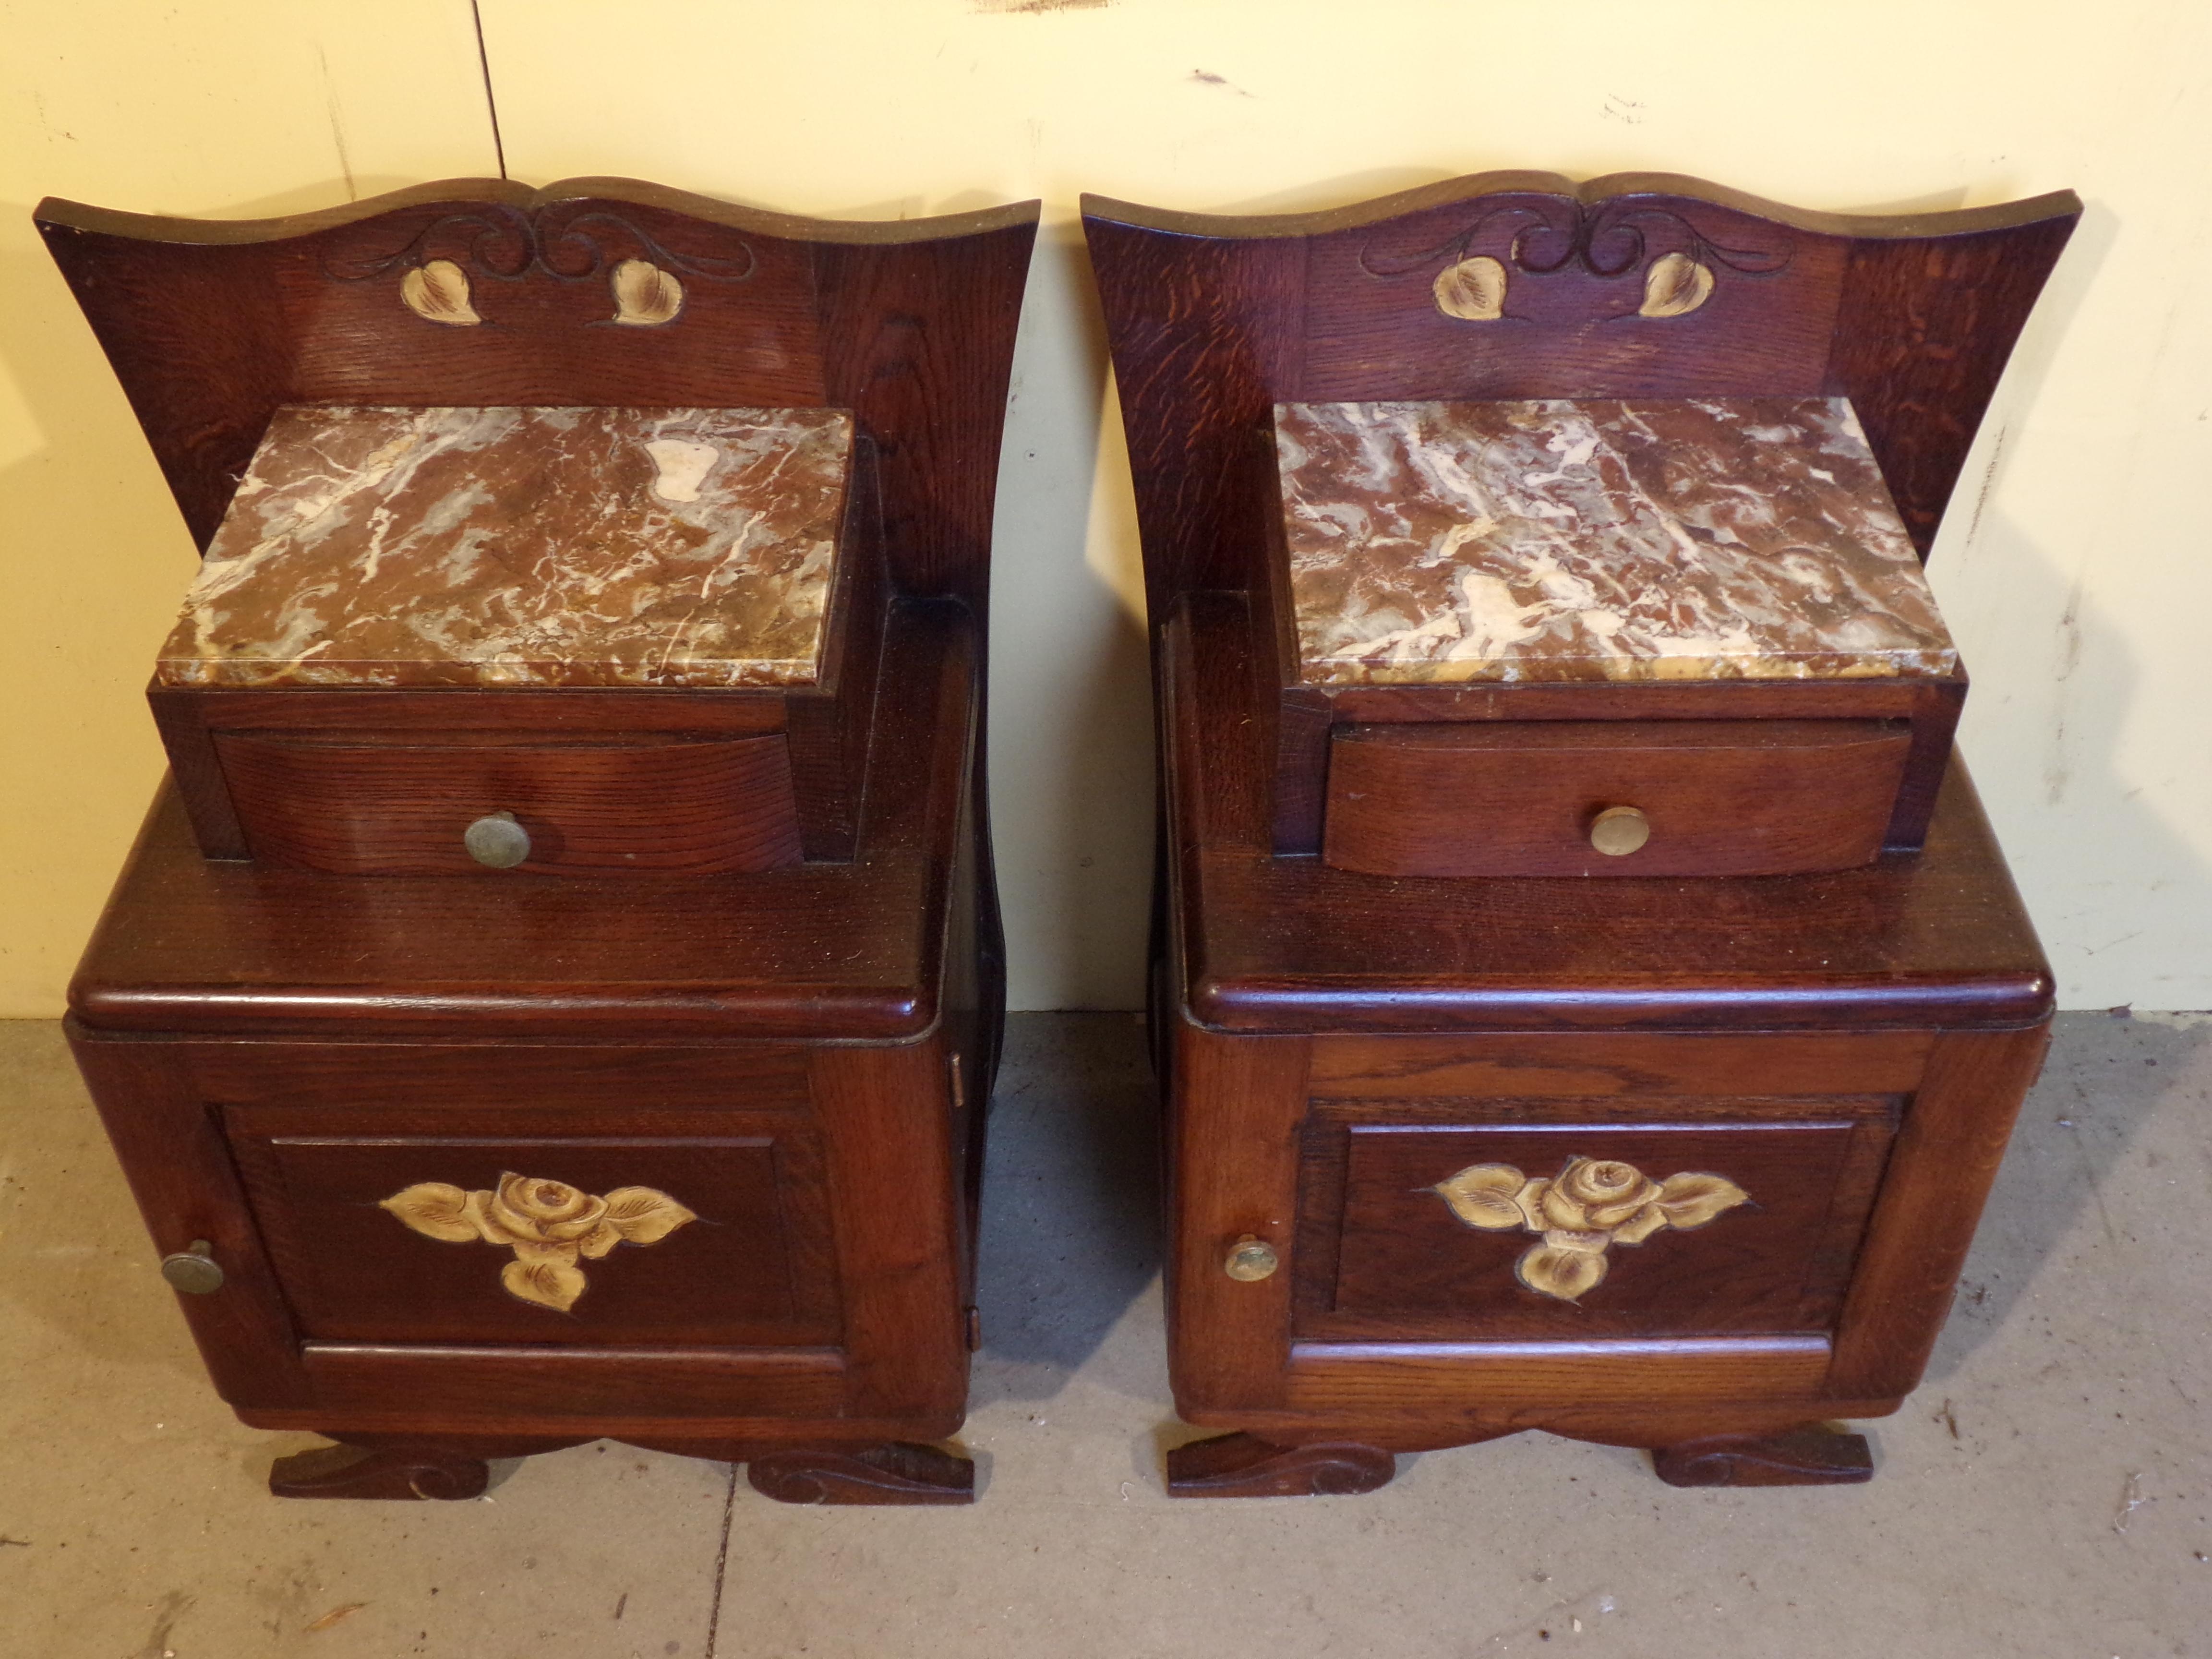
(888, 1472)
(1813, 1455)
(1245, 1466)
(377, 1471)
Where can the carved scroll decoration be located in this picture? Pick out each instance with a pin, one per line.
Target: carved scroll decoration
(1608, 240)
(1590, 1206)
(549, 1225)
(504, 244)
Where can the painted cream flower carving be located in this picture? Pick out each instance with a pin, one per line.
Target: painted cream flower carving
(547, 1223)
(1590, 1206)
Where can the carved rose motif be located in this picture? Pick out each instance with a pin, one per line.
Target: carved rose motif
(1583, 1211)
(549, 1225)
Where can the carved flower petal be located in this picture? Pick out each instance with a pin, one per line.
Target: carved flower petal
(1646, 1221)
(479, 1209)
(528, 1250)
(439, 292)
(435, 1210)
(550, 1283)
(1474, 291)
(1530, 1199)
(1675, 285)
(1567, 1274)
(643, 1216)
(1560, 1210)
(1566, 1238)
(1692, 1201)
(604, 1237)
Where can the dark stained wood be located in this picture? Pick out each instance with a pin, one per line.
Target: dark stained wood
(1290, 945)
(799, 1054)
(811, 951)
(211, 325)
(1356, 1381)
(1388, 1259)
(1941, 1171)
(1213, 319)
(355, 804)
(1612, 1066)
(1723, 798)
(1815, 1455)
(1245, 1466)
(888, 1472)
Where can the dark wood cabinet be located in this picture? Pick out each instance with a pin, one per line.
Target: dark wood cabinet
(1462, 1139)
(557, 995)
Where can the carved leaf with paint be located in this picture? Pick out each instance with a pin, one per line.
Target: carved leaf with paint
(549, 1225)
(1590, 1206)
(1675, 286)
(646, 297)
(1474, 291)
(439, 292)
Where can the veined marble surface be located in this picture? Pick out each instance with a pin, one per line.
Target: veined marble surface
(1699, 538)
(514, 547)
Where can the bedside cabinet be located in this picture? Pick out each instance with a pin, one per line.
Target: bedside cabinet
(1587, 993)
(557, 994)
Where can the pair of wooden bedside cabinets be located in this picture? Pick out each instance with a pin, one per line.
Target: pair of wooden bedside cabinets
(558, 993)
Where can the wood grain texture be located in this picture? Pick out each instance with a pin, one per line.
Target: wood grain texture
(811, 951)
(891, 1472)
(1612, 1065)
(1354, 1381)
(1289, 944)
(1813, 1455)
(356, 804)
(1245, 1466)
(1722, 798)
(211, 325)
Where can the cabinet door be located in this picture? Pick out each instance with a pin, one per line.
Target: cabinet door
(1564, 1219)
(511, 1234)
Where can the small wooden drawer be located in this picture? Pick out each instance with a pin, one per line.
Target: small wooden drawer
(363, 803)
(1542, 798)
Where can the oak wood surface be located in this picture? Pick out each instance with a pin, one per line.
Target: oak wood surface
(353, 804)
(1722, 798)
(809, 951)
(1290, 945)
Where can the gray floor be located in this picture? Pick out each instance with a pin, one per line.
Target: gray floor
(2046, 1494)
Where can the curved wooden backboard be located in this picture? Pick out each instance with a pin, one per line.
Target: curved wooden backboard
(602, 292)
(1510, 285)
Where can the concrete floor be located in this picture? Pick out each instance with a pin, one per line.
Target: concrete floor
(2046, 1493)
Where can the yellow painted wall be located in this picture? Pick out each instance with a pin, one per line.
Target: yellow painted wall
(2074, 572)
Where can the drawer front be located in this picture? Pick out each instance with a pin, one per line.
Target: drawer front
(640, 1228)
(359, 803)
(1712, 797)
(1561, 1220)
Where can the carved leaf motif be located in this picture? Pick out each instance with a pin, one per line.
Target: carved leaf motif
(435, 1210)
(1640, 1226)
(1484, 1195)
(1675, 286)
(1568, 1274)
(643, 1216)
(601, 1239)
(646, 297)
(1474, 291)
(1692, 1201)
(439, 292)
(549, 1281)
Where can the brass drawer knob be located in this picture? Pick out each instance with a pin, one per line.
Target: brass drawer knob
(497, 841)
(1251, 1259)
(1619, 830)
(193, 1271)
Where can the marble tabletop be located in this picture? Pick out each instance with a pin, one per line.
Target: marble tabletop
(523, 547)
(1638, 539)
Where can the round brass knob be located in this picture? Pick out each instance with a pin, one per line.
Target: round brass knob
(193, 1271)
(1619, 830)
(1251, 1259)
(497, 841)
